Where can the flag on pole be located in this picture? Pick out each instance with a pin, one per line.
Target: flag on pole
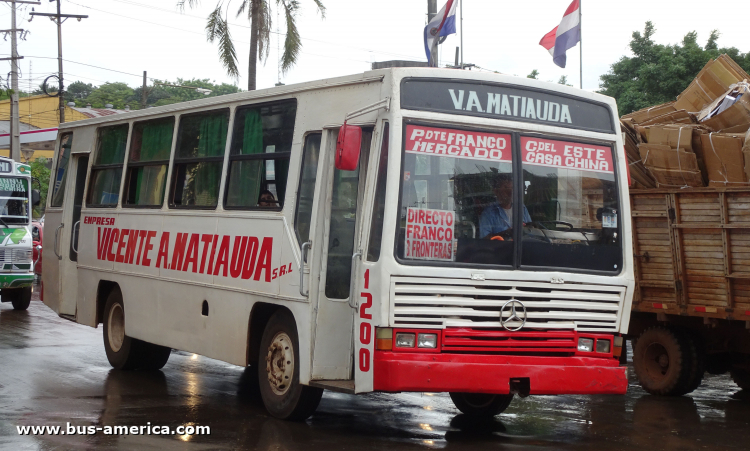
(443, 24)
(565, 36)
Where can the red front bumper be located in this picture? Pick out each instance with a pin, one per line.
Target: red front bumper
(440, 372)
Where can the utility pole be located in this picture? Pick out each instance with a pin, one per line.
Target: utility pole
(144, 92)
(59, 18)
(15, 118)
(431, 12)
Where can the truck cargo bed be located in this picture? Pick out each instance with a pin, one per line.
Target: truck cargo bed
(692, 249)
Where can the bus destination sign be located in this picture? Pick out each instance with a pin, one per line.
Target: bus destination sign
(6, 167)
(505, 102)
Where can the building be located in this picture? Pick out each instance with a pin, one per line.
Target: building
(39, 117)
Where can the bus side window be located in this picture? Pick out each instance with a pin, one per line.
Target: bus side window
(150, 145)
(378, 207)
(201, 140)
(106, 172)
(306, 190)
(61, 174)
(259, 156)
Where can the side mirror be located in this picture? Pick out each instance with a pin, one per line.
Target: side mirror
(35, 197)
(347, 147)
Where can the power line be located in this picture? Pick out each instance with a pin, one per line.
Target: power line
(336, 44)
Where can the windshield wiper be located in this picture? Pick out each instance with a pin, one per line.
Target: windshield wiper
(4, 223)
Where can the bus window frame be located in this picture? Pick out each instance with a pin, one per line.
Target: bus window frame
(141, 164)
(56, 168)
(88, 187)
(262, 156)
(174, 160)
(517, 199)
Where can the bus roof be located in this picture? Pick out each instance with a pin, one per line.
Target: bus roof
(373, 76)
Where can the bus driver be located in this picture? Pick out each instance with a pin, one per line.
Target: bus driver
(498, 216)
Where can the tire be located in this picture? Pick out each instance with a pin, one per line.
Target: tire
(696, 349)
(741, 377)
(123, 352)
(481, 404)
(662, 361)
(284, 397)
(19, 297)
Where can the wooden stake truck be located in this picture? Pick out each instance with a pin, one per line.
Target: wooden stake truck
(691, 310)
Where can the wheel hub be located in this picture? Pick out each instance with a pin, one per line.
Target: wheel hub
(280, 363)
(116, 327)
(656, 360)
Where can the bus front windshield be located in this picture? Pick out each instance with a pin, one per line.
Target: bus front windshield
(14, 201)
(458, 201)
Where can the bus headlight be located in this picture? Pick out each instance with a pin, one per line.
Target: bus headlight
(404, 340)
(602, 346)
(427, 341)
(586, 344)
(22, 255)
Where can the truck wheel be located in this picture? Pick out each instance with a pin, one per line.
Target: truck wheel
(698, 359)
(123, 352)
(662, 361)
(741, 377)
(19, 297)
(278, 371)
(481, 404)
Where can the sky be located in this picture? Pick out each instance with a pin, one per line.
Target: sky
(122, 38)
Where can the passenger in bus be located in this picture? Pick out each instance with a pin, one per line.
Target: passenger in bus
(267, 199)
(498, 216)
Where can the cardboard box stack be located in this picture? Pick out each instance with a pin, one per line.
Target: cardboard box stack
(700, 139)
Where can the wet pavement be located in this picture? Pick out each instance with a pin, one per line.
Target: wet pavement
(54, 372)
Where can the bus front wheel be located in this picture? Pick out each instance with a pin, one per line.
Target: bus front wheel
(19, 297)
(481, 404)
(123, 352)
(278, 371)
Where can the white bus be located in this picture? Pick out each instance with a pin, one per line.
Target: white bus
(16, 200)
(410, 229)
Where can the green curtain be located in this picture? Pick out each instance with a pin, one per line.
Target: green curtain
(246, 176)
(156, 141)
(213, 135)
(150, 183)
(112, 145)
(206, 176)
(252, 136)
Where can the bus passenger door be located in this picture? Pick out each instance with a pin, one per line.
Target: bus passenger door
(69, 253)
(335, 241)
(54, 222)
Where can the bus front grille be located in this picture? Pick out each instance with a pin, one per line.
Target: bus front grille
(444, 303)
(493, 341)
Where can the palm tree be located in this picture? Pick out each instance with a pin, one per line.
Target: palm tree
(259, 14)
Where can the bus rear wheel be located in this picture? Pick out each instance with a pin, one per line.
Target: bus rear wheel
(278, 371)
(481, 404)
(123, 352)
(19, 297)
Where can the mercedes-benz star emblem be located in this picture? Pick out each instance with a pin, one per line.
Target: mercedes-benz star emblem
(516, 314)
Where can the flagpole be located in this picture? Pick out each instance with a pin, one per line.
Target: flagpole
(461, 5)
(580, 39)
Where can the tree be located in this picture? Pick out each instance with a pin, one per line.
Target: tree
(117, 94)
(40, 171)
(534, 74)
(259, 13)
(78, 91)
(563, 80)
(158, 95)
(658, 73)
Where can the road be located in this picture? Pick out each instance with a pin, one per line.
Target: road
(54, 372)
